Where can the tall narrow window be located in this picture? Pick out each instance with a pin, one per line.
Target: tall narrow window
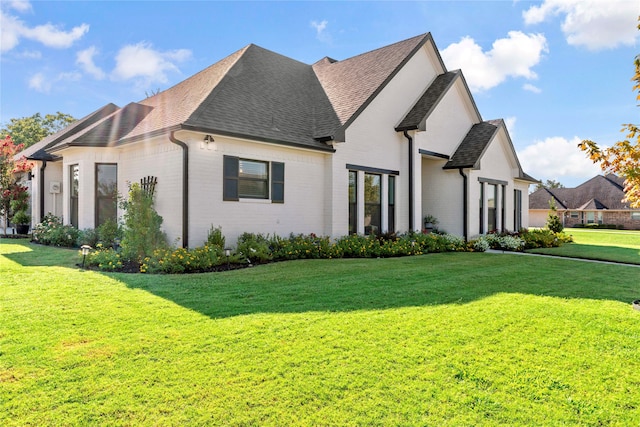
(517, 210)
(491, 207)
(503, 210)
(74, 183)
(481, 229)
(391, 208)
(372, 203)
(353, 202)
(106, 192)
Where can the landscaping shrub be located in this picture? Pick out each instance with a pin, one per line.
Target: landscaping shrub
(141, 226)
(544, 238)
(215, 238)
(109, 232)
(254, 247)
(553, 221)
(104, 258)
(88, 236)
(172, 261)
(51, 232)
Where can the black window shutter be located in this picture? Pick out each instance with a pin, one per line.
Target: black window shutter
(230, 179)
(277, 182)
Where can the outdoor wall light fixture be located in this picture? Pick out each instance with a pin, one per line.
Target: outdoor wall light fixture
(208, 139)
(85, 251)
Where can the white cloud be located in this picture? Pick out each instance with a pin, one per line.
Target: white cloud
(594, 24)
(557, 158)
(84, 58)
(13, 29)
(141, 61)
(30, 54)
(19, 5)
(531, 88)
(321, 33)
(514, 56)
(39, 83)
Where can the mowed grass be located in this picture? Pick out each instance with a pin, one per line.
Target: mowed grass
(444, 339)
(606, 245)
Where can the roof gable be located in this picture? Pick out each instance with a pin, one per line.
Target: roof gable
(38, 151)
(599, 192)
(352, 84)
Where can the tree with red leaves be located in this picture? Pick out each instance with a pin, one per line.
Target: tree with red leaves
(9, 167)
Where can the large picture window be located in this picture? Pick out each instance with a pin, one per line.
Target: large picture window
(106, 193)
(372, 203)
(252, 179)
(74, 184)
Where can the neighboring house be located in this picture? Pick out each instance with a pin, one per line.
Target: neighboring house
(259, 142)
(596, 201)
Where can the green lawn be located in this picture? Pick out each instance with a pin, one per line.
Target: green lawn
(607, 245)
(445, 339)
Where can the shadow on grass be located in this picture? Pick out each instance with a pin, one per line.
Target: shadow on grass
(374, 284)
(35, 255)
(597, 252)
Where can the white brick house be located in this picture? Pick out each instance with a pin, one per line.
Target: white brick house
(260, 142)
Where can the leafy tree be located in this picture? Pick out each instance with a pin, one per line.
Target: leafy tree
(623, 158)
(9, 166)
(29, 130)
(550, 183)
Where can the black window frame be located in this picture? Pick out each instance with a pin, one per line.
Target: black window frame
(232, 180)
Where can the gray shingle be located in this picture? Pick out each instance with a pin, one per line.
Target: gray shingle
(600, 192)
(428, 101)
(473, 145)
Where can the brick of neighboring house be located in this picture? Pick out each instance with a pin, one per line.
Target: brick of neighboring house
(619, 218)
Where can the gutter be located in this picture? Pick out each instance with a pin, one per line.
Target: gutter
(465, 212)
(411, 196)
(185, 188)
(41, 185)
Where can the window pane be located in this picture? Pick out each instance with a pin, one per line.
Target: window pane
(75, 175)
(372, 208)
(252, 189)
(391, 208)
(107, 184)
(353, 199)
(491, 208)
(106, 193)
(255, 170)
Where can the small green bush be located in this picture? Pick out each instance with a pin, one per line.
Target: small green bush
(215, 238)
(109, 232)
(254, 247)
(51, 232)
(88, 236)
(104, 258)
(142, 233)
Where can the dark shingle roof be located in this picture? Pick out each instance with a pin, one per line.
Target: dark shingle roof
(473, 145)
(38, 150)
(268, 96)
(426, 104)
(600, 192)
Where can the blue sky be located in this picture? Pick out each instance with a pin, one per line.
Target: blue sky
(558, 71)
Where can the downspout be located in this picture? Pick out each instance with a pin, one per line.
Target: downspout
(411, 201)
(41, 185)
(185, 188)
(465, 214)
